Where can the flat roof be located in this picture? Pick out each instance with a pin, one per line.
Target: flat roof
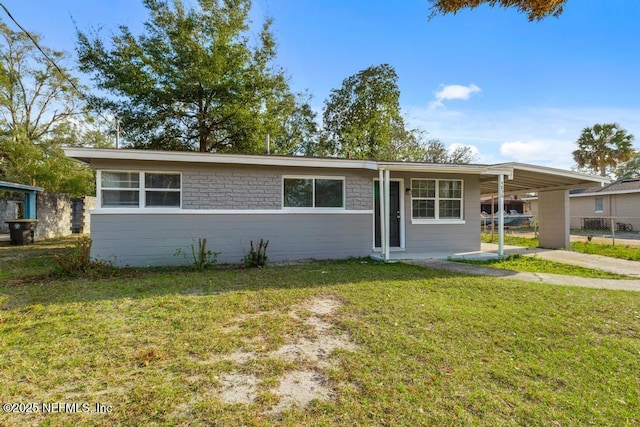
(10, 186)
(520, 177)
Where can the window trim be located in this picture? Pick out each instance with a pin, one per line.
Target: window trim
(313, 208)
(142, 189)
(437, 198)
(596, 210)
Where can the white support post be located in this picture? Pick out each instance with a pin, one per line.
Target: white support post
(387, 203)
(501, 215)
(383, 227)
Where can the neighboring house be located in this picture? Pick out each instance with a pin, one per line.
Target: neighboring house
(152, 203)
(593, 208)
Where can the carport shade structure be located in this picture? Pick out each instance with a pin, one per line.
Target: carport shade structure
(552, 186)
(29, 196)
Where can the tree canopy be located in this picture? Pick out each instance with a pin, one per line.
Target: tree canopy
(534, 9)
(362, 118)
(195, 79)
(602, 147)
(40, 110)
(629, 169)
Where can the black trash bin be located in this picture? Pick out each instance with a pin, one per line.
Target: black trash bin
(21, 231)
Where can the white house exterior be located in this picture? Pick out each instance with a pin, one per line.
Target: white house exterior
(151, 203)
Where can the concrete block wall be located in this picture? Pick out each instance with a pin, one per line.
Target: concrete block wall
(8, 210)
(54, 215)
(244, 188)
(226, 188)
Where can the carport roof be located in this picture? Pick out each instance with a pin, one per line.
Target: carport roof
(20, 188)
(534, 179)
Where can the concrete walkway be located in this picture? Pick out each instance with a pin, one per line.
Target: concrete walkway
(584, 260)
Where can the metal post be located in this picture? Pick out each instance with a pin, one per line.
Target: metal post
(387, 203)
(382, 210)
(117, 131)
(613, 231)
(501, 215)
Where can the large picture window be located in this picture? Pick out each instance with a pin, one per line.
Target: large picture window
(436, 199)
(303, 192)
(119, 189)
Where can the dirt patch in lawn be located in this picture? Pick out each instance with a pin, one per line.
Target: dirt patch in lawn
(311, 352)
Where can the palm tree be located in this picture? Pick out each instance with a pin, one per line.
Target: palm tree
(602, 146)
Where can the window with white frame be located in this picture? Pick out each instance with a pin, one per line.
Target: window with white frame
(313, 192)
(126, 189)
(599, 205)
(435, 199)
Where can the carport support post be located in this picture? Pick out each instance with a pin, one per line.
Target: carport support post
(500, 215)
(553, 217)
(385, 219)
(381, 200)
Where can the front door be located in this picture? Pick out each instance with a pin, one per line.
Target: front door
(394, 213)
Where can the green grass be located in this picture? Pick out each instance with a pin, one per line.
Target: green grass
(618, 251)
(510, 239)
(434, 348)
(534, 264)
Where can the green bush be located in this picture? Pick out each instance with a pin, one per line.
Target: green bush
(201, 258)
(257, 256)
(77, 260)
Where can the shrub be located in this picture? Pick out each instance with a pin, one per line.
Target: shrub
(77, 260)
(257, 256)
(202, 258)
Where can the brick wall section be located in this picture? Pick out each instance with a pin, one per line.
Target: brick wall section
(231, 189)
(259, 188)
(359, 192)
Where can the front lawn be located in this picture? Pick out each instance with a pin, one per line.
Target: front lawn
(372, 344)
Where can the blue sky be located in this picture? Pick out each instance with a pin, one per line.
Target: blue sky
(514, 90)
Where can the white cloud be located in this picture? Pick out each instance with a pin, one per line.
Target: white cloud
(531, 151)
(543, 136)
(450, 92)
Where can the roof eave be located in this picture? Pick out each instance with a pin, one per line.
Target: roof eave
(88, 155)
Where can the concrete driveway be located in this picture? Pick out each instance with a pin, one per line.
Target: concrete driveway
(614, 265)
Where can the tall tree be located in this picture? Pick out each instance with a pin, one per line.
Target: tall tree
(39, 111)
(362, 118)
(299, 133)
(535, 9)
(629, 169)
(602, 147)
(193, 80)
(436, 152)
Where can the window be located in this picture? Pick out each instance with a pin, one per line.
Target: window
(313, 192)
(435, 199)
(140, 189)
(599, 205)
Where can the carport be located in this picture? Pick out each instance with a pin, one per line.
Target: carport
(552, 186)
